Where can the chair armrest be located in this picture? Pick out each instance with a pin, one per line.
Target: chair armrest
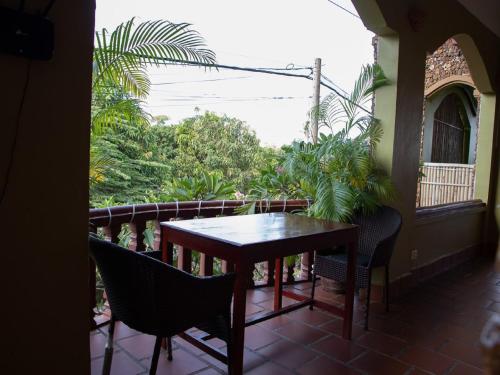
(155, 254)
(193, 296)
(382, 254)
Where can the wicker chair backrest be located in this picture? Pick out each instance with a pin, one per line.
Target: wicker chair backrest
(378, 233)
(153, 297)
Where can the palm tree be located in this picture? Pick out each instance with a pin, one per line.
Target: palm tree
(121, 58)
(340, 171)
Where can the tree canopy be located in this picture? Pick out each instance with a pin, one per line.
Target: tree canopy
(142, 162)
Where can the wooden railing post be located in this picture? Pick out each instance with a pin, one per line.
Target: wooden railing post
(157, 236)
(269, 272)
(184, 259)
(306, 263)
(227, 267)
(112, 231)
(206, 265)
(137, 236)
(251, 282)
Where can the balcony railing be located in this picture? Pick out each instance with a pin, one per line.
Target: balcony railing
(443, 183)
(141, 219)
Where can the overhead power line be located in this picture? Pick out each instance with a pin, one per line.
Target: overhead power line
(274, 71)
(196, 81)
(344, 9)
(333, 83)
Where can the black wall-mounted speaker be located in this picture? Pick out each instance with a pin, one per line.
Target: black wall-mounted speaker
(26, 35)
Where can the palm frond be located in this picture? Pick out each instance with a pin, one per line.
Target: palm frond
(123, 55)
(112, 112)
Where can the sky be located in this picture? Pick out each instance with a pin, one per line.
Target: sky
(258, 33)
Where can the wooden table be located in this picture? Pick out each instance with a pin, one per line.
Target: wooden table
(246, 240)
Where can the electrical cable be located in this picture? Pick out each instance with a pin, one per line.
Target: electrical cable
(166, 61)
(275, 71)
(196, 81)
(334, 84)
(13, 147)
(344, 9)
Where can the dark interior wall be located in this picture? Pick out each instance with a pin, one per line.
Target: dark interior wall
(43, 216)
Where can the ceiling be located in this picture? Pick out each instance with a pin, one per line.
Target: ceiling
(487, 11)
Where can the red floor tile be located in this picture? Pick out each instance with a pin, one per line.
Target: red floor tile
(287, 354)
(467, 353)
(140, 347)
(377, 364)
(325, 366)
(275, 323)
(257, 337)
(121, 364)
(208, 371)
(252, 308)
(183, 363)
(338, 348)
(269, 304)
(122, 331)
(382, 343)
(257, 295)
(251, 360)
(434, 328)
(301, 333)
(314, 318)
(463, 369)
(335, 327)
(427, 360)
(97, 345)
(269, 368)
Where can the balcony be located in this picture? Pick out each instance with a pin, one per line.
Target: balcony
(432, 330)
(433, 326)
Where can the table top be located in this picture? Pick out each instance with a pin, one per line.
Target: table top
(245, 230)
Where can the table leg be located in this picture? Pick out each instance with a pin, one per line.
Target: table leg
(278, 284)
(352, 249)
(239, 307)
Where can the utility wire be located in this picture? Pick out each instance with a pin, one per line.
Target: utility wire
(334, 84)
(196, 81)
(274, 71)
(344, 9)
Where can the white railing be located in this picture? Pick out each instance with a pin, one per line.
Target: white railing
(445, 183)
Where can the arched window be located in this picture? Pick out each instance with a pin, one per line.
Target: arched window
(451, 132)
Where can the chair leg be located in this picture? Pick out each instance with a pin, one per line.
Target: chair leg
(387, 288)
(313, 287)
(230, 370)
(169, 348)
(156, 355)
(368, 292)
(108, 352)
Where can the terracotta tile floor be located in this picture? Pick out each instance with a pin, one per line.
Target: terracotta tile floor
(432, 330)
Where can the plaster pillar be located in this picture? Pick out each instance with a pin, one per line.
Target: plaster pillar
(399, 107)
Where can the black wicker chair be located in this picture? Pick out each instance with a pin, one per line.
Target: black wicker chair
(157, 299)
(378, 233)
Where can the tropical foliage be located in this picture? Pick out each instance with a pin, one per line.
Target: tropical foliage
(339, 173)
(121, 58)
(158, 162)
(221, 144)
(210, 186)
